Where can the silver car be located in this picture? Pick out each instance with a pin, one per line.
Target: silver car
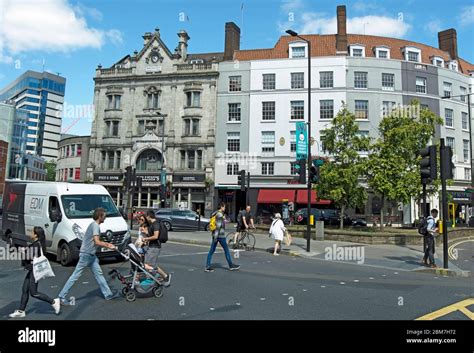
(176, 219)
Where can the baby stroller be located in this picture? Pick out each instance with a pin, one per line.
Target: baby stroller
(139, 280)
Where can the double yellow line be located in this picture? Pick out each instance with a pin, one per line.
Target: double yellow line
(461, 306)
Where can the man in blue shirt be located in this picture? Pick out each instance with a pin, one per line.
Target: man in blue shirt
(430, 239)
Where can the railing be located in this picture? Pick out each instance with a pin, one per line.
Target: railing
(116, 71)
(193, 67)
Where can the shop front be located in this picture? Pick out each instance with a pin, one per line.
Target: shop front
(189, 191)
(459, 207)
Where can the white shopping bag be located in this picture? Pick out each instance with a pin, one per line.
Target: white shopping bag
(42, 268)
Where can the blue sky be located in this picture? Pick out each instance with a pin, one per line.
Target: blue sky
(73, 37)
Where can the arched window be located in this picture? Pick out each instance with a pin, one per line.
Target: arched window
(149, 160)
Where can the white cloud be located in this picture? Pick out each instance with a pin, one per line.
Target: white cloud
(316, 23)
(467, 15)
(91, 12)
(433, 26)
(363, 6)
(48, 25)
(291, 5)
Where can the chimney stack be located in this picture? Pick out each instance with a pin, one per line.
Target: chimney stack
(183, 44)
(341, 36)
(232, 40)
(447, 41)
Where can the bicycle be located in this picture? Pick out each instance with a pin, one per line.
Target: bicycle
(246, 240)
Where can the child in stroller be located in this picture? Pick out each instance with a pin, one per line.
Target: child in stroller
(140, 280)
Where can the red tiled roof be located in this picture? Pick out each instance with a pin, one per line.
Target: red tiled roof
(325, 45)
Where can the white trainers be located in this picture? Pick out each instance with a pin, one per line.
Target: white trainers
(17, 313)
(56, 306)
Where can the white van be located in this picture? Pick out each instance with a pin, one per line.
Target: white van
(64, 211)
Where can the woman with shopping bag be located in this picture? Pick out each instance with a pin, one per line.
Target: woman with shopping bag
(35, 262)
(277, 231)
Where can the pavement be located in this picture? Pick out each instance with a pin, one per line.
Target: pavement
(394, 257)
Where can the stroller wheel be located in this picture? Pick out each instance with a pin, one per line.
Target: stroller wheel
(158, 291)
(125, 290)
(130, 296)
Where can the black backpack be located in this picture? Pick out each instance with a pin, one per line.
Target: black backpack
(423, 226)
(163, 237)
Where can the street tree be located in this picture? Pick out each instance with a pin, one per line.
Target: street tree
(339, 179)
(393, 169)
(50, 167)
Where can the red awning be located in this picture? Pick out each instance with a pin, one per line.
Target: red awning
(275, 196)
(302, 197)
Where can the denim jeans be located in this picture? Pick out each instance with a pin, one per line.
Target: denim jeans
(213, 249)
(429, 249)
(91, 261)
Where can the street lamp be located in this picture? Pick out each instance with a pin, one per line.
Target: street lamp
(308, 229)
(470, 140)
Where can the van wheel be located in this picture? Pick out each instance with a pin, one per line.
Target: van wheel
(65, 254)
(167, 225)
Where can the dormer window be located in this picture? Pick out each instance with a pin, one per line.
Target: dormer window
(412, 54)
(297, 50)
(437, 61)
(382, 52)
(453, 65)
(357, 50)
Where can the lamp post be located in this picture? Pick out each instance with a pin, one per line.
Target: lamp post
(470, 138)
(308, 228)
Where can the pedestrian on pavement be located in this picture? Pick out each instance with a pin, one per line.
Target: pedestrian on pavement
(277, 231)
(88, 258)
(218, 236)
(154, 247)
(30, 286)
(429, 239)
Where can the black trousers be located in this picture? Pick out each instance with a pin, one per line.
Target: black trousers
(30, 287)
(429, 249)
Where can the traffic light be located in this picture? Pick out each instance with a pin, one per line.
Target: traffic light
(241, 180)
(314, 174)
(428, 164)
(448, 165)
(162, 191)
(139, 182)
(128, 177)
(300, 168)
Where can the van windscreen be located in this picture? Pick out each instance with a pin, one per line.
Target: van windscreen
(83, 206)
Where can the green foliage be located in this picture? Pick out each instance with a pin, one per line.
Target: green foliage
(339, 179)
(393, 165)
(50, 167)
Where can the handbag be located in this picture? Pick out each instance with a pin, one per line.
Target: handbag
(41, 267)
(287, 238)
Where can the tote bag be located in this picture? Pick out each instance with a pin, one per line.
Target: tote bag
(41, 267)
(287, 238)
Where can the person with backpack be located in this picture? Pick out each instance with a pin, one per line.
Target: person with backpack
(30, 286)
(217, 227)
(157, 235)
(428, 229)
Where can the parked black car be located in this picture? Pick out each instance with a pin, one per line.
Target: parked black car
(330, 216)
(176, 219)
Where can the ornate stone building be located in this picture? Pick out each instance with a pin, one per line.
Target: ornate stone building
(156, 111)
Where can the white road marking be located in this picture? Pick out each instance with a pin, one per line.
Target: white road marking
(323, 286)
(85, 282)
(212, 309)
(262, 299)
(384, 275)
(395, 273)
(238, 304)
(284, 294)
(356, 280)
(189, 254)
(305, 290)
(342, 282)
(371, 278)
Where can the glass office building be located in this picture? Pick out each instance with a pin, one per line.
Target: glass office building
(41, 95)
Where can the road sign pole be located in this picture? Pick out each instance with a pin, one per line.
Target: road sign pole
(444, 199)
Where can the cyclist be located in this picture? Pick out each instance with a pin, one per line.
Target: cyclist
(243, 220)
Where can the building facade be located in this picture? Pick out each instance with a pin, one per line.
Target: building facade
(262, 94)
(73, 159)
(155, 110)
(19, 163)
(41, 94)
